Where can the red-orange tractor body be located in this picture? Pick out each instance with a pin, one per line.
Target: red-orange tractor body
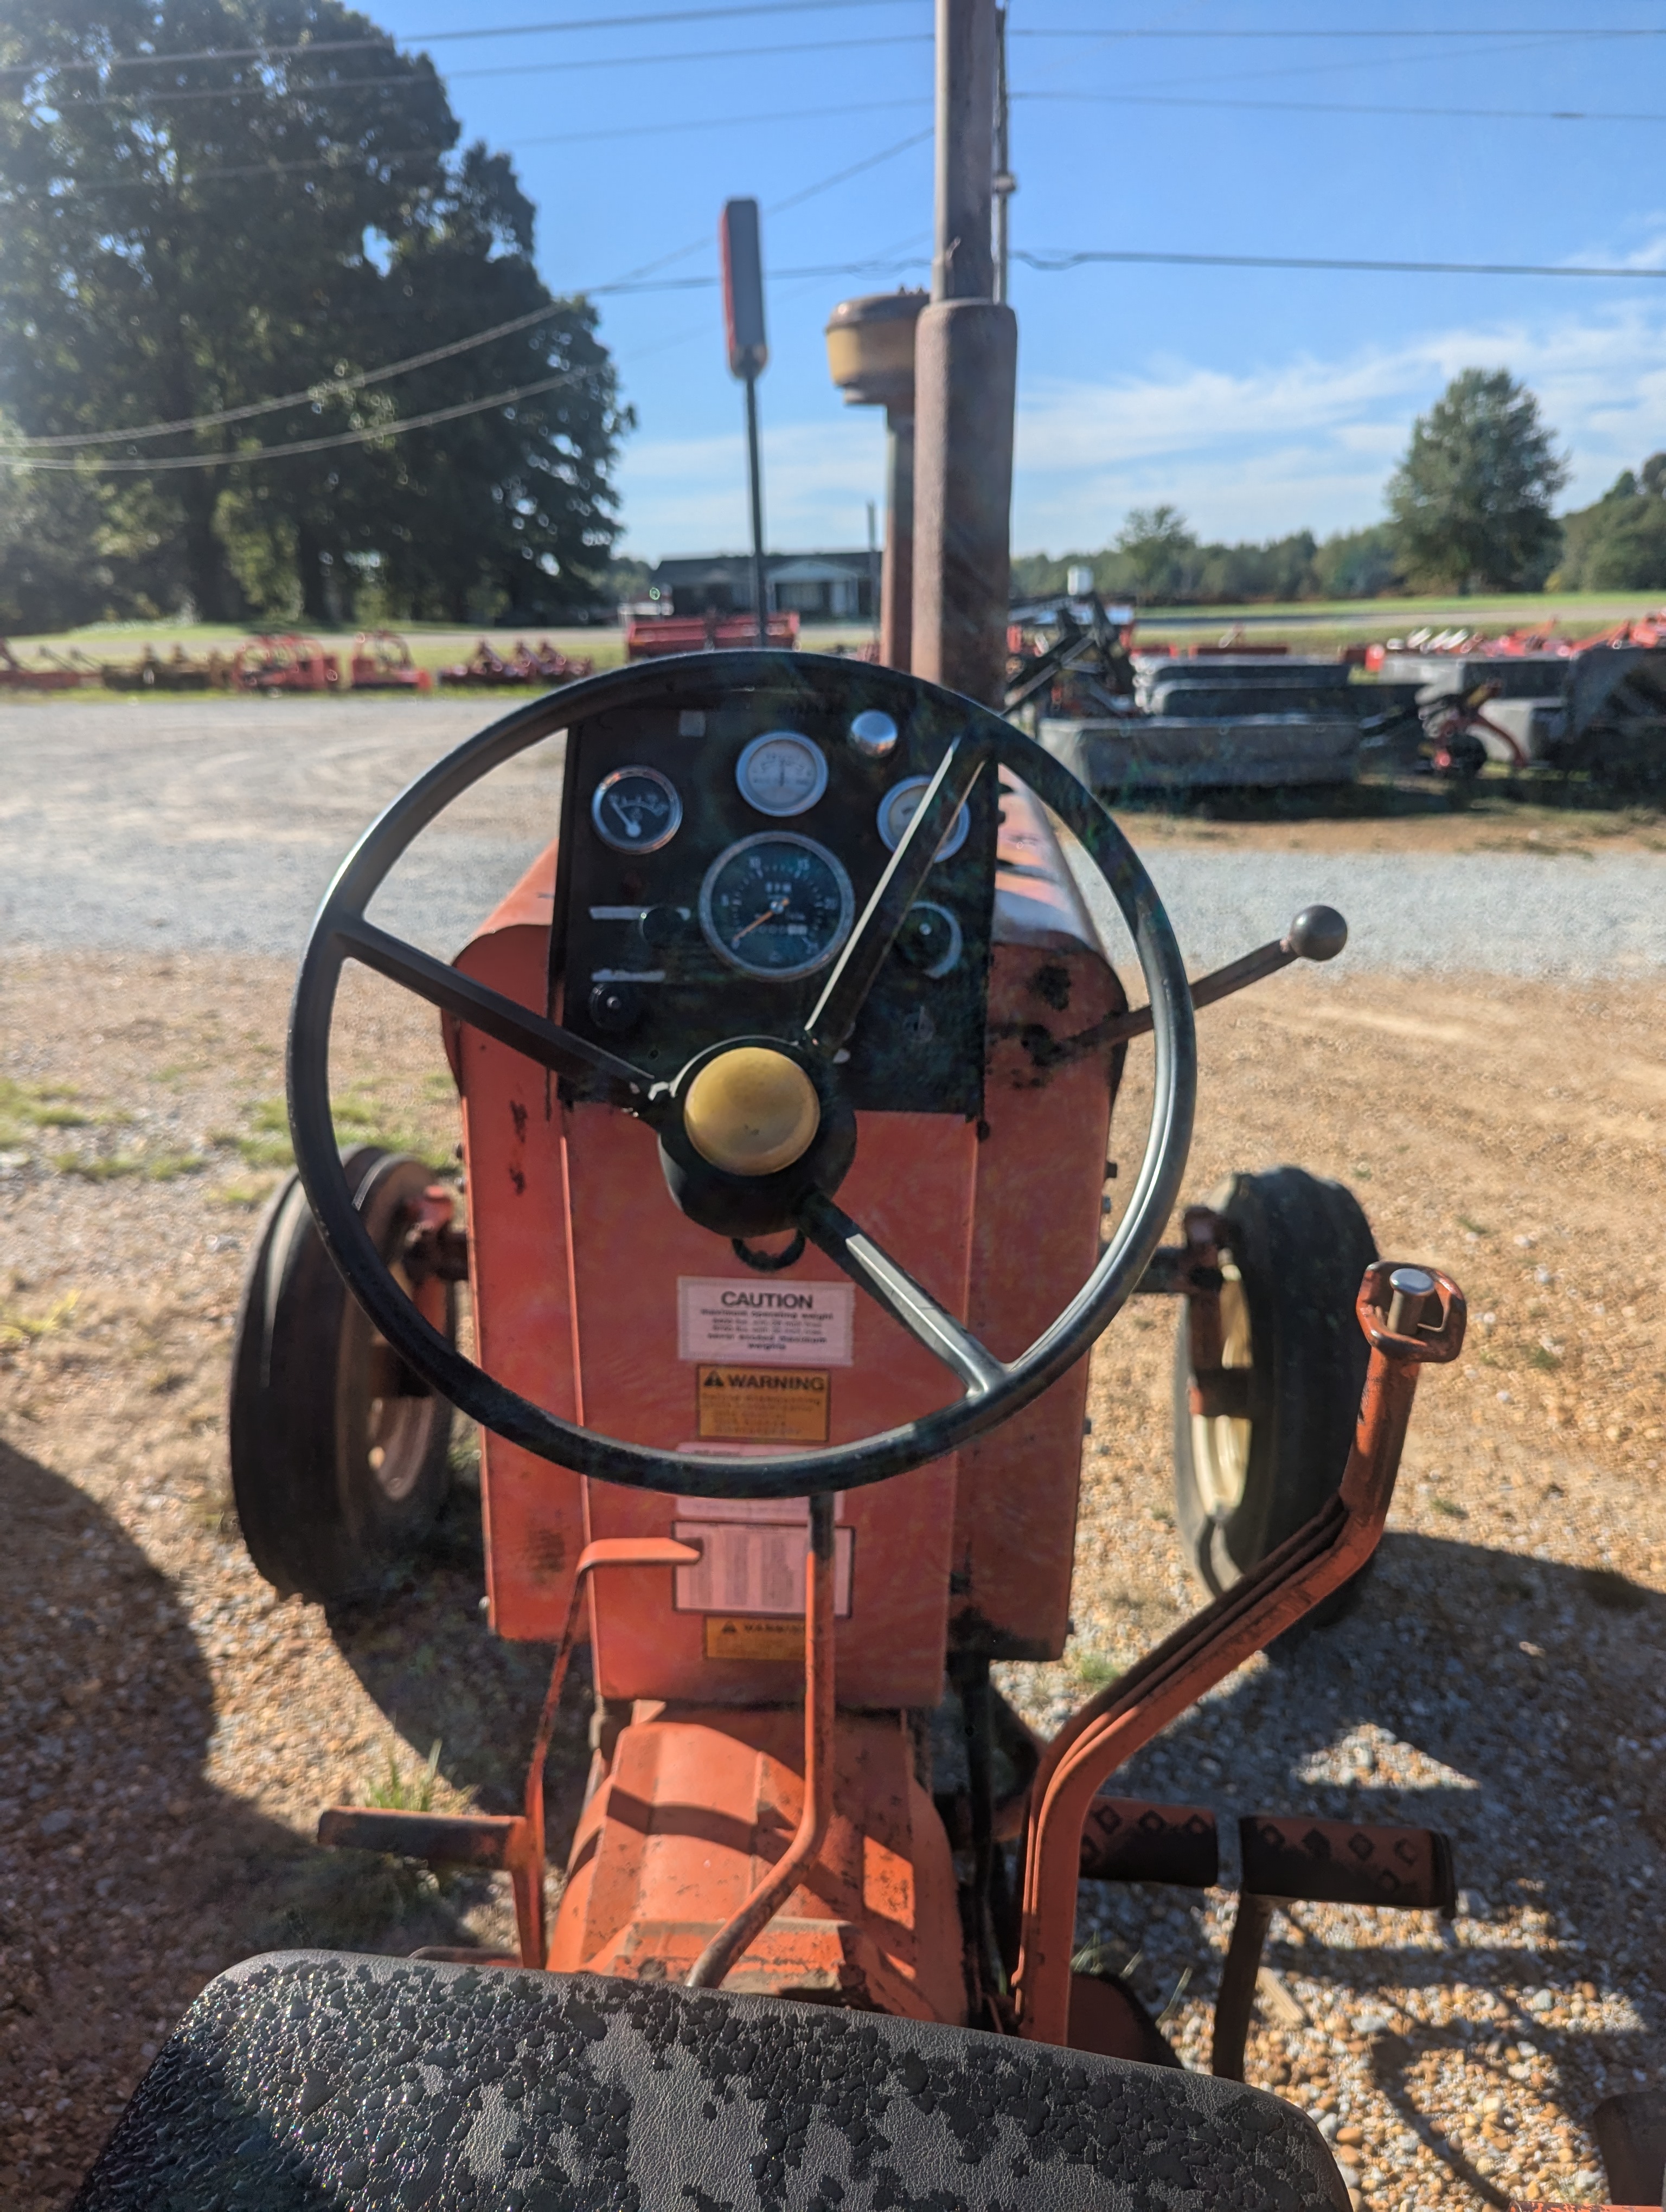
(786, 1074)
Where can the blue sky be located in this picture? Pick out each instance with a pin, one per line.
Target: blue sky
(1255, 402)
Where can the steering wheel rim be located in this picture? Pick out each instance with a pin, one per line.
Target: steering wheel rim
(995, 1389)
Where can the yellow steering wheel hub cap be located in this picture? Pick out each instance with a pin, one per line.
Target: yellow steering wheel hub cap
(751, 1111)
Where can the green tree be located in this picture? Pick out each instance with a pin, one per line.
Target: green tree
(195, 237)
(1359, 564)
(1157, 549)
(1618, 543)
(1470, 502)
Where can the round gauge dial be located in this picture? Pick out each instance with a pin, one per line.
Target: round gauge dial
(636, 810)
(777, 905)
(781, 772)
(902, 803)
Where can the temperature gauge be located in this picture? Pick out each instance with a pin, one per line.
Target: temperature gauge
(781, 772)
(636, 810)
(902, 803)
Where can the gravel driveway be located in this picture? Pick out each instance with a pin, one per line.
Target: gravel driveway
(1501, 1676)
(215, 825)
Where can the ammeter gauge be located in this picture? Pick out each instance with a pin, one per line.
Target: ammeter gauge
(777, 905)
(781, 772)
(636, 810)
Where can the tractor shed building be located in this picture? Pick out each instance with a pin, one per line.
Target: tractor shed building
(819, 586)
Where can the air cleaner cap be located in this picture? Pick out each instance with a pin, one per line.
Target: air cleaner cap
(751, 1111)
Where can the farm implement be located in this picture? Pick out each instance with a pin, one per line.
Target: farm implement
(786, 1075)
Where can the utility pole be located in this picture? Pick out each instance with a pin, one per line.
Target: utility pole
(1004, 184)
(749, 355)
(965, 384)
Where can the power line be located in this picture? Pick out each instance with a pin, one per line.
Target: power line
(317, 86)
(641, 279)
(1054, 263)
(322, 163)
(1354, 107)
(432, 38)
(1407, 31)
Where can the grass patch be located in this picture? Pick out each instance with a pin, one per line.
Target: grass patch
(25, 1107)
(17, 1327)
(111, 1167)
(1473, 1227)
(1448, 1510)
(246, 1196)
(1096, 1670)
(395, 1793)
(1541, 1357)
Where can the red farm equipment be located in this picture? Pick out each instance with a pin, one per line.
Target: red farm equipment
(658, 636)
(273, 665)
(381, 661)
(786, 1074)
(488, 669)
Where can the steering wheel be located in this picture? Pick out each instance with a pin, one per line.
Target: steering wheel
(791, 1085)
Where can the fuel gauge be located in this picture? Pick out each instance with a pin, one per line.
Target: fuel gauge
(636, 810)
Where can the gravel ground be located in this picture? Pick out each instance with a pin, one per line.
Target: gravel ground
(167, 1729)
(215, 825)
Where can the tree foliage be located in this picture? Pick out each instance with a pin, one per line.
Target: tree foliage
(1470, 502)
(1618, 543)
(1156, 560)
(190, 238)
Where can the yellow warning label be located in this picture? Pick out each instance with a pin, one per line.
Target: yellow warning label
(734, 1636)
(763, 1404)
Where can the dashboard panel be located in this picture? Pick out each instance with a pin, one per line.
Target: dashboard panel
(716, 853)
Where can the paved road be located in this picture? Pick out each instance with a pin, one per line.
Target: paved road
(202, 825)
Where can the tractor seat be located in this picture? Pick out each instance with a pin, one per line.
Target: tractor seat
(310, 2079)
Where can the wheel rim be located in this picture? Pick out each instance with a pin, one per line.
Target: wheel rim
(1221, 1441)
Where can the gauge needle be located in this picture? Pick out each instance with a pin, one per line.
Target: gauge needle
(775, 906)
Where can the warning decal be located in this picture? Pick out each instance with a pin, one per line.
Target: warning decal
(781, 1405)
(729, 1638)
(779, 1324)
(747, 1566)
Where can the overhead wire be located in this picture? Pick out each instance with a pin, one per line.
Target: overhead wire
(1353, 107)
(1050, 264)
(275, 52)
(409, 81)
(22, 453)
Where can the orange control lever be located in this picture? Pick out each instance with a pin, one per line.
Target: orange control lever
(1323, 1554)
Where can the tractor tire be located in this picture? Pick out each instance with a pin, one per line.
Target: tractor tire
(339, 1458)
(1298, 1249)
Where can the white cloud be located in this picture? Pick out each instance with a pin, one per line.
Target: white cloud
(1243, 453)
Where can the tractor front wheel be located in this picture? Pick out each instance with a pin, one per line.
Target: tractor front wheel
(339, 1454)
(1292, 1261)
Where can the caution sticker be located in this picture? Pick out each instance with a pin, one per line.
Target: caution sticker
(731, 1638)
(763, 1404)
(772, 1324)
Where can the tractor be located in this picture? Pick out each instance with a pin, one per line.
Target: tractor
(788, 1219)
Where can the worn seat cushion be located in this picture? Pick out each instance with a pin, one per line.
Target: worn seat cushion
(315, 2079)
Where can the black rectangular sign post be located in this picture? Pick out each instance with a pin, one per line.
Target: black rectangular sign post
(749, 354)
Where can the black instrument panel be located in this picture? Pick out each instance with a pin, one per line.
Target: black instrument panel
(717, 851)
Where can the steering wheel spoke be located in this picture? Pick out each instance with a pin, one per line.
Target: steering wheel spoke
(871, 1269)
(834, 1015)
(489, 1011)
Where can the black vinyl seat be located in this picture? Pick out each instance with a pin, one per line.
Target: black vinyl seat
(306, 2079)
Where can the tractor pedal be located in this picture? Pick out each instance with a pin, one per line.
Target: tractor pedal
(499, 1840)
(1126, 1839)
(1346, 1863)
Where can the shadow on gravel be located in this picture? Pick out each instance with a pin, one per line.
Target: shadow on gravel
(127, 1879)
(1511, 1702)
(1495, 796)
(424, 1653)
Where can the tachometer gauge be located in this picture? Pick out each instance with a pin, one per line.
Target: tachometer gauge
(636, 810)
(902, 803)
(777, 905)
(781, 772)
